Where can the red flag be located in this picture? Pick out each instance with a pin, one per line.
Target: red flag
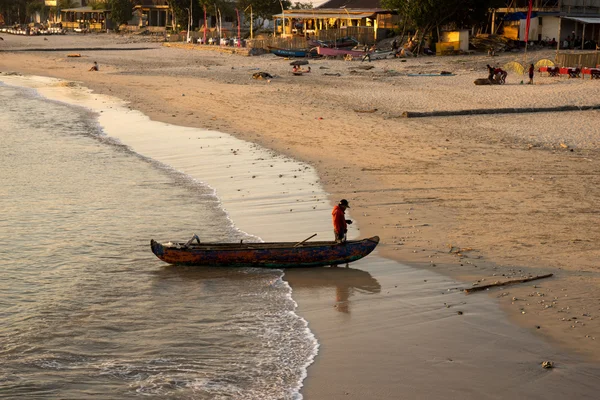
(239, 42)
(528, 21)
(204, 36)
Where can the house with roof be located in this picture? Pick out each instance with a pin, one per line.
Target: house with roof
(355, 17)
(574, 22)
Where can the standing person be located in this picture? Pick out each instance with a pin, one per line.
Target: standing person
(531, 69)
(340, 223)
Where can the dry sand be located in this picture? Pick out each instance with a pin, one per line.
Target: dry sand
(500, 187)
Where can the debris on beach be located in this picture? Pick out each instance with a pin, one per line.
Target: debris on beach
(547, 364)
(299, 62)
(496, 42)
(506, 283)
(366, 111)
(262, 75)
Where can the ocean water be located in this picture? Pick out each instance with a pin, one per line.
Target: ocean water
(87, 311)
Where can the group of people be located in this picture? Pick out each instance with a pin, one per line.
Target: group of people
(496, 75)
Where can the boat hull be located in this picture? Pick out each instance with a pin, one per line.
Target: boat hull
(291, 52)
(328, 52)
(265, 255)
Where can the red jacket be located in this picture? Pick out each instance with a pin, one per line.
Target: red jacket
(339, 220)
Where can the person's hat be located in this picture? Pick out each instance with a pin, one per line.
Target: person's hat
(344, 202)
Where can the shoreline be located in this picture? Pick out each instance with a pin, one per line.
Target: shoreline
(414, 206)
(354, 288)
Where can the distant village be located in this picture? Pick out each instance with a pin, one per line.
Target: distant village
(566, 24)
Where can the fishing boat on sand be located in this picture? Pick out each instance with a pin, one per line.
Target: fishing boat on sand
(343, 42)
(329, 52)
(292, 52)
(267, 255)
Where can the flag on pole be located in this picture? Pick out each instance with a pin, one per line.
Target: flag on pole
(528, 21)
(204, 36)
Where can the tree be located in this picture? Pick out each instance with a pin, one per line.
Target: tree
(62, 4)
(428, 16)
(302, 6)
(120, 10)
(264, 9)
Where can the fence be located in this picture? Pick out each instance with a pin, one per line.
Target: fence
(581, 60)
(364, 35)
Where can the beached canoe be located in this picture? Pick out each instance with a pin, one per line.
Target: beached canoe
(379, 55)
(329, 52)
(344, 42)
(292, 52)
(268, 255)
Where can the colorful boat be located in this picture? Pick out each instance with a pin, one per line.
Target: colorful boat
(292, 52)
(344, 42)
(267, 255)
(379, 55)
(329, 52)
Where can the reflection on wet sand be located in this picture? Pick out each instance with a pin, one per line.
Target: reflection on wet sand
(346, 282)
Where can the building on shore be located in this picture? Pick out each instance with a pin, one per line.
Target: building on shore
(571, 24)
(364, 19)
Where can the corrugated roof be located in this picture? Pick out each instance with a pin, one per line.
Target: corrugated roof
(82, 10)
(369, 4)
(584, 20)
(332, 14)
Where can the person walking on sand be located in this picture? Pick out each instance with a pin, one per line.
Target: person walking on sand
(340, 223)
(531, 70)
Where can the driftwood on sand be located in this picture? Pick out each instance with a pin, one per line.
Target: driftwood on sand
(505, 283)
(481, 111)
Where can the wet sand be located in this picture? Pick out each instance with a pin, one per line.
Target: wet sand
(428, 185)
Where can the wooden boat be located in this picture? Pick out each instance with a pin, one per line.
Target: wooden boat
(344, 42)
(292, 52)
(326, 51)
(379, 55)
(268, 255)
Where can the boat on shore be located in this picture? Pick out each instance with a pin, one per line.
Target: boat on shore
(379, 55)
(344, 42)
(292, 52)
(330, 52)
(266, 255)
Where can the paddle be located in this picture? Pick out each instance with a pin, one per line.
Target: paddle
(310, 237)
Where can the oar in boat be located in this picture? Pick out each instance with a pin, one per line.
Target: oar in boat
(308, 238)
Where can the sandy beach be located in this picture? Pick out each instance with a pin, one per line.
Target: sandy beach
(477, 199)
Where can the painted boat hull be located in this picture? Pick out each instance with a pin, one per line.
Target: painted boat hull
(291, 52)
(380, 55)
(326, 51)
(265, 255)
(340, 43)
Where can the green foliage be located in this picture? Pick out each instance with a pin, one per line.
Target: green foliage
(302, 6)
(264, 9)
(428, 14)
(34, 6)
(62, 4)
(97, 4)
(120, 10)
